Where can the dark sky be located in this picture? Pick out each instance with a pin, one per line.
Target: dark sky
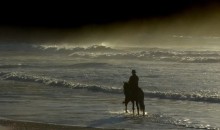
(62, 15)
(156, 22)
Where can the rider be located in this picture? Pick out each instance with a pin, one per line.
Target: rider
(133, 81)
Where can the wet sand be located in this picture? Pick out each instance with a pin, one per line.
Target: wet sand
(22, 125)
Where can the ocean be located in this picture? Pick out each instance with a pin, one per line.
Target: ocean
(83, 86)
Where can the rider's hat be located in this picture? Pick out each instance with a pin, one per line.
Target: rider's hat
(133, 71)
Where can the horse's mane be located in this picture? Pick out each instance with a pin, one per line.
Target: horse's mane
(127, 90)
(126, 83)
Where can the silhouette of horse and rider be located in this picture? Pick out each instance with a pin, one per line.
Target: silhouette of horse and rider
(133, 93)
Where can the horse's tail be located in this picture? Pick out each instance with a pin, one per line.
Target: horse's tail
(142, 106)
(141, 100)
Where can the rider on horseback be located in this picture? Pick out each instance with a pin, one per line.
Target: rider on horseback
(133, 82)
(133, 93)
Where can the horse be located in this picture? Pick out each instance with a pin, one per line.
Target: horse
(131, 96)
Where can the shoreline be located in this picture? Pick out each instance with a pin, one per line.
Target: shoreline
(6, 124)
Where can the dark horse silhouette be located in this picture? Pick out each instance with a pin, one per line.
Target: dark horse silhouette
(130, 96)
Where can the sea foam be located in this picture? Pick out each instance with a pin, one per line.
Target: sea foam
(196, 96)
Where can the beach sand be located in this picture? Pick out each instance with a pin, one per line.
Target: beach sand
(22, 125)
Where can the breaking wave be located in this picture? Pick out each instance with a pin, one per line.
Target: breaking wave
(69, 49)
(105, 52)
(18, 76)
(77, 65)
(197, 96)
(61, 49)
(156, 54)
(14, 66)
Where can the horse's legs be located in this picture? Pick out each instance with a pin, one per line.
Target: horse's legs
(133, 107)
(126, 103)
(137, 107)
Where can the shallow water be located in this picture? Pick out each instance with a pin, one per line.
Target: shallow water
(87, 91)
(80, 107)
